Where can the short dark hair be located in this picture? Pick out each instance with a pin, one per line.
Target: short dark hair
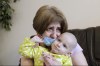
(45, 16)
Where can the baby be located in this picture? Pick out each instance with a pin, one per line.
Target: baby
(65, 44)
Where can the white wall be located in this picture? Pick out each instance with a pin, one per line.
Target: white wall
(79, 13)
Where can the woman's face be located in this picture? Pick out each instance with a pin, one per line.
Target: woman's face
(53, 30)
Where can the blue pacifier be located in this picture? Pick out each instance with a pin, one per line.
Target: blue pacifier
(48, 41)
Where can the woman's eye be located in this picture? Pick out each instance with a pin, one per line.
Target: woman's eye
(58, 29)
(49, 29)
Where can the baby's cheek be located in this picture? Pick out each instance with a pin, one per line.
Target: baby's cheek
(63, 49)
(53, 44)
(52, 47)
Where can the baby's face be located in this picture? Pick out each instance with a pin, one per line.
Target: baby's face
(66, 42)
(61, 43)
(63, 40)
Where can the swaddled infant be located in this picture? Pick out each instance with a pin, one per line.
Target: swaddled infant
(60, 48)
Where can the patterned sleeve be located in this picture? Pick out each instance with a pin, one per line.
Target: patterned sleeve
(26, 48)
(76, 50)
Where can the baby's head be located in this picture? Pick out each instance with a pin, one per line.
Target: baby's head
(69, 40)
(66, 41)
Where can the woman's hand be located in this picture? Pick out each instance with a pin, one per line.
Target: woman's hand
(49, 60)
(26, 62)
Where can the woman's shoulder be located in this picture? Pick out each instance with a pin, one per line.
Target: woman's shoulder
(32, 36)
(29, 38)
(77, 49)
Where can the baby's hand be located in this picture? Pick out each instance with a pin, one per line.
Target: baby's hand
(59, 49)
(49, 60)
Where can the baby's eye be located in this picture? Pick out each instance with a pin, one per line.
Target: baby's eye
(64, 45)
(59, 40)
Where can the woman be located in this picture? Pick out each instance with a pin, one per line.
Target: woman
(49, 21)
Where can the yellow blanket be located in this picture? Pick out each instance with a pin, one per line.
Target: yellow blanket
(26, 49)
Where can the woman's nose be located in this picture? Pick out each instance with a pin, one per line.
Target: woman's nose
(54, 35)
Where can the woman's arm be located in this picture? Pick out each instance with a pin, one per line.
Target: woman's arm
(26, 62)
(26, 48)
(78, 59)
